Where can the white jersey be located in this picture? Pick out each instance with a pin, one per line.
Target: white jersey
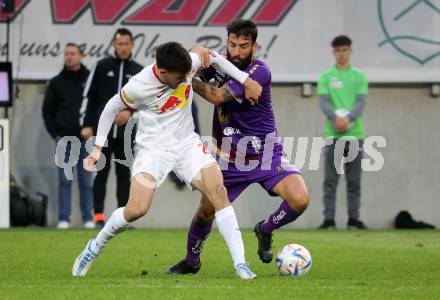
(165, 116)
(164, 113)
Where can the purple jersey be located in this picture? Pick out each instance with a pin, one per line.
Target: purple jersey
(249, 128)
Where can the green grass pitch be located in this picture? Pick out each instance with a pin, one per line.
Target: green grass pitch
(36, 264)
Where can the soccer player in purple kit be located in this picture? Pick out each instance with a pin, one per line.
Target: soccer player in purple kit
(248, 148)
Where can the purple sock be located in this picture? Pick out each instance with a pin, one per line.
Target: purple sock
(282, 216)
(197, 235)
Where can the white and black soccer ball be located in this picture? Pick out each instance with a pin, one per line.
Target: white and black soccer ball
(293, 260)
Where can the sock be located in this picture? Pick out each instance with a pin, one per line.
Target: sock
(282, 216)
(228, 227)
(116, 224)
(197, 235)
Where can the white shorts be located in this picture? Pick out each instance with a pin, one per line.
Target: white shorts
(186, 159)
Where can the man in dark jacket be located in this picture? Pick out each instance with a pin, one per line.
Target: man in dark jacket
(61, 116)
(105, 80)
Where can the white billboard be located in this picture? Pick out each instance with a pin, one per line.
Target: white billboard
(394, 40)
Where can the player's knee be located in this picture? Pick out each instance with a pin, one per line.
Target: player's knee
(135, 212)
(302, 200)
(221, 190)
(138, 213)
(221, 193)
(218, 196)
(218, 190)
(299, 201)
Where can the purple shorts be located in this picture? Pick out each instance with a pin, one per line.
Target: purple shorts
(237, 181)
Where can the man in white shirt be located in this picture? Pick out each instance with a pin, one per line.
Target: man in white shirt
(162, 94)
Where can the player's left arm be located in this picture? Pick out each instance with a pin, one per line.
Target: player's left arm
(111, 109)
(361, 97)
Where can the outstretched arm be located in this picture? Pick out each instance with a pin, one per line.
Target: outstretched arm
(112, 108)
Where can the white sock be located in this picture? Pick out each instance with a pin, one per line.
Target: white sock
(228, 227)
(116, 224)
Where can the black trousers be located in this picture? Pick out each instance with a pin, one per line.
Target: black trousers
(123, 176)
(353, 171)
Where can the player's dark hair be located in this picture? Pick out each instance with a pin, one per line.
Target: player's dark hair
(243, 28)
(123, 31)
(75, 45)
(341, 40)
(173, 57)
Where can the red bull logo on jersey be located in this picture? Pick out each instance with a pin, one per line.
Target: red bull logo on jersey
(170, 104)
(179, 98)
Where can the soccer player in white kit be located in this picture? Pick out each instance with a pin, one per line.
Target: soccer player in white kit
(162, 94)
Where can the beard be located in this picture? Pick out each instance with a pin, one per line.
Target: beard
(241, 63)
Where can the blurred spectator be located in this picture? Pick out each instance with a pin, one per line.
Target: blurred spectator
(342, 93)
(106, 79)
(61, 107)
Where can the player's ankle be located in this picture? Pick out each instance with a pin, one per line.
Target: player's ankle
(96, 249)
(192, 262)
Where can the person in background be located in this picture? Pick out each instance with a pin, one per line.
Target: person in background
(342, 94)
(61, 116)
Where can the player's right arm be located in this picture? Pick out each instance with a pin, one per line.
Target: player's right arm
(116, 104)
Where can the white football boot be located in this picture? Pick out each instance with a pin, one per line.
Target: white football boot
(243, 272)
(84, 261)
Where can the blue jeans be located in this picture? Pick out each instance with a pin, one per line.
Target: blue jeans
(85, 187)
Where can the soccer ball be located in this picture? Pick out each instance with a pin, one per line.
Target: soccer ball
(293, 260)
